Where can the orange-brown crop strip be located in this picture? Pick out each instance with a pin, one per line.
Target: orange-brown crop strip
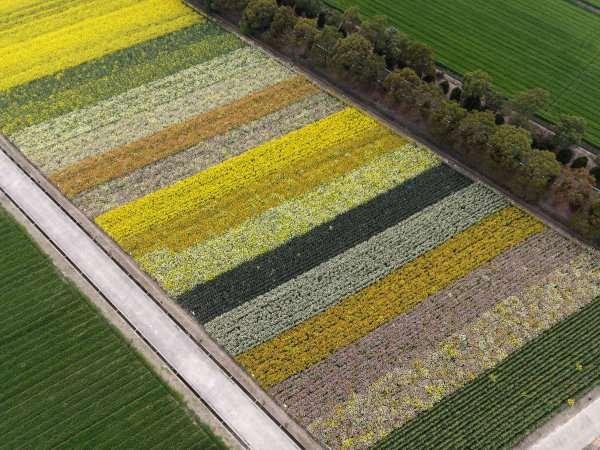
(119, 161)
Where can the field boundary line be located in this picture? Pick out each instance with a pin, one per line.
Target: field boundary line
(111, 315)
(573, 428)
(386, 117)
(186, 325)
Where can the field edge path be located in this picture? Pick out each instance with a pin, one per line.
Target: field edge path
(182, 344)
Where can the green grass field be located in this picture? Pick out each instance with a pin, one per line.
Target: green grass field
(502, 406)
(522, 43)
(68, 378)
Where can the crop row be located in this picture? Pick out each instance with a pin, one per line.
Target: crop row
(518, 395)
(206, 153)
(459, 359)
(312, 292)
(395, 294)
(146, 110)
(79, 87)
(311, 393)
(119, 161)
(33, 57)
(180, 272)
(302, 252)
(130, 224)
(77, 381)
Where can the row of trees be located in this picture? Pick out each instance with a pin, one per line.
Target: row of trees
(476, 122)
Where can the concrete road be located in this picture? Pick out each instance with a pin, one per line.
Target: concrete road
(574, 434)
(252, 425)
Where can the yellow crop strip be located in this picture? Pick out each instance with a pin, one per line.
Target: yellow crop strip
(91, 38)
(48, 18)
(212, 219)
(97, 169)
(159, 209)
(12, 6)
(399, 292)
(179, 272)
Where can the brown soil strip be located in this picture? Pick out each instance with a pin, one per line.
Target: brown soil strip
(117, 162)
(315, 391)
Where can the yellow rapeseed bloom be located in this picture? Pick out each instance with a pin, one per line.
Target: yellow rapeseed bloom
(90, 38)
(181, 199)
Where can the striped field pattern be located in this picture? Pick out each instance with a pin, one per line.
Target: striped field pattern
(358, 278)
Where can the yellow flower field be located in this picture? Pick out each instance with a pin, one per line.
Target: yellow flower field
(119, 25)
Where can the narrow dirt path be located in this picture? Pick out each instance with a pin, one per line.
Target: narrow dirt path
(587, 6)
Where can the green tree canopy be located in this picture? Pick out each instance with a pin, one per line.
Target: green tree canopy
(475, 131)
(569, 131)
(401, 87)
(258, 15)
(477, 84)
(353, 58)
(509, 145)
(526, 104)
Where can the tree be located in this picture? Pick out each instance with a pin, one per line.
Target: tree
(526, 103)
(539, 169)
(476, 84)
(428, 98)
(509, 145)
(396, 49)
(258, 15)
(579, 163)
(494, 101)
(475, 131)
(565, 155)
(575, 188)
(445, 118)
(304, 34)
(354, 59)
(283, 22)
(308, 8)
(401, 87)
(569, 131)
(324, 45)
(419, 57)
(375, 29)
(351, 20)
(587, 220)
(444, 86)
(456, 94)
(595, 172)
(332, 17)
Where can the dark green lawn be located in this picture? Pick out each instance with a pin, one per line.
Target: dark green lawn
(68, 378)
(552, 44)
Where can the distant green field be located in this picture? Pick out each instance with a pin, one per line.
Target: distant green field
(69, 380)
(552, 44)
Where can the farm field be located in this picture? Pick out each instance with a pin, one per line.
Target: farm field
(68, 378)
(358, 278)
(522, 44)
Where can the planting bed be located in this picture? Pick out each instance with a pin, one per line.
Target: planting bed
(521, 44)
(353, 274)
(68, 379)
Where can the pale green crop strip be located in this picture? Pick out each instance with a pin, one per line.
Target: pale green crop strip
(179, 272)
(182, 165)
(299, 299)
(147, 109)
